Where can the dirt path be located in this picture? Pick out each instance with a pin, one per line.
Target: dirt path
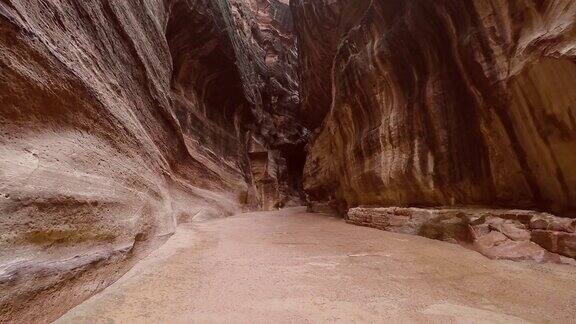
(290, 266)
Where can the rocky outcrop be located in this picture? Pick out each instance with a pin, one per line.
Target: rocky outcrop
(439, 103)
(496, 233)
(321, 27)
(443, 103)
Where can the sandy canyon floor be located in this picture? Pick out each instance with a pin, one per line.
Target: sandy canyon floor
(291, 266)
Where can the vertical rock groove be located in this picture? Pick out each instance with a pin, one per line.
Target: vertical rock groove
(426, 107)
(461, 107)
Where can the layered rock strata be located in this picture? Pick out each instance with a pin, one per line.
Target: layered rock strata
(439, 103)
(266, 55)
(120, 119)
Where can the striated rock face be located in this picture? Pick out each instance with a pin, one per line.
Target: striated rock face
(435, 103)
(265, 47)
(321, 27)
(120, 119)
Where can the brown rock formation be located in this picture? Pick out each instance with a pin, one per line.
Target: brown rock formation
(321, 27)
(437, 103)
(443, 103)
(120, 119)
(265, 53)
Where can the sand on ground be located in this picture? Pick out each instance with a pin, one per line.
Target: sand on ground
(292, 266)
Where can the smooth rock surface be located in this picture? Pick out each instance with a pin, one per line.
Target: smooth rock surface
(299, 267)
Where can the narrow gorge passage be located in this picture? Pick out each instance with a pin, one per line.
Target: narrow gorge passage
(131, 129)
(291, 266)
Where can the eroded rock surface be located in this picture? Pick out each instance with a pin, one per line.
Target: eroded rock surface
(120, 119)
(266, 54)
(441, 102)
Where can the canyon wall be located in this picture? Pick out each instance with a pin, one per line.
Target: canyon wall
(120, 119)
(464, 107)
(266, 54)
(439, 103)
